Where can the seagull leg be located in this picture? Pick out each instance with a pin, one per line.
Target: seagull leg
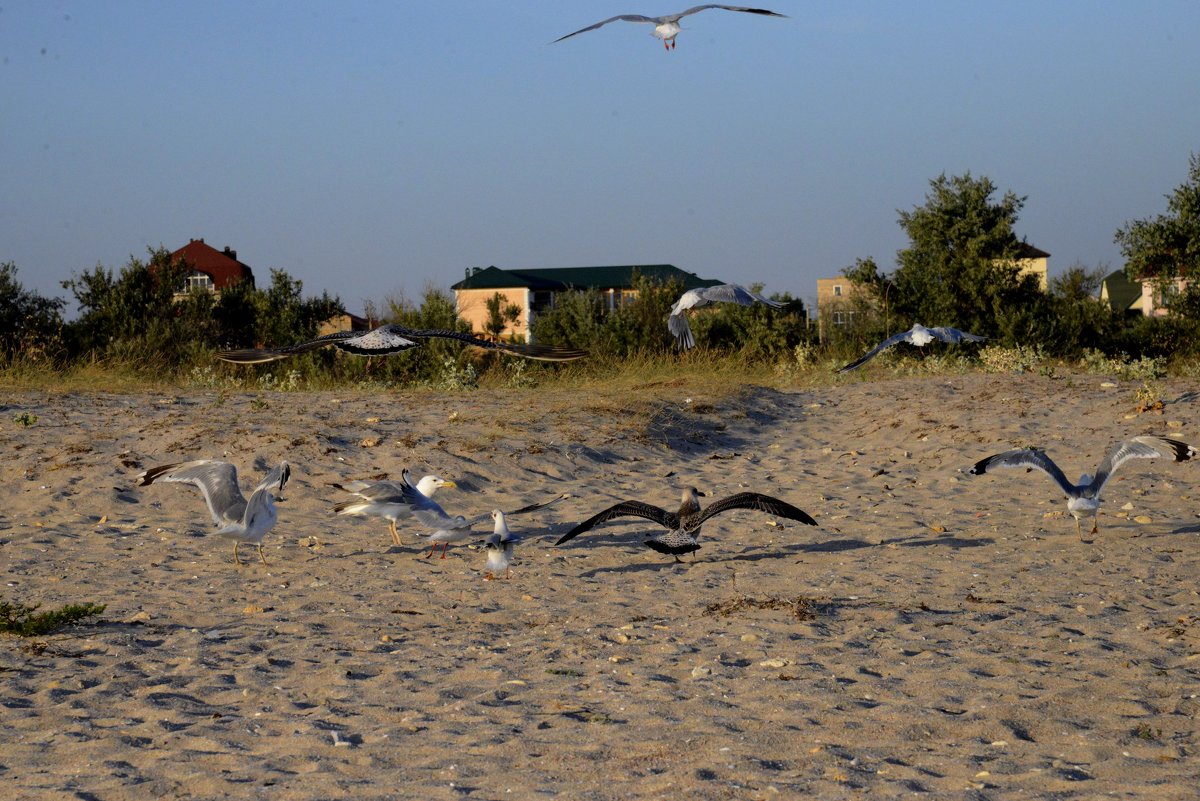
(445, 545)
(235, 555)
(261, 555)
(395, 534)
(432, 548)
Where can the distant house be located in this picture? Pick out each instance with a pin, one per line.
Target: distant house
(533, 291)
(344, 322)
(836, 306)
(1121, 294)
(1033, 261)
(211, 270)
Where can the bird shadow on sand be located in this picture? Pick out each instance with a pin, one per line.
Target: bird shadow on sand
(1192, 529)
(757, 553)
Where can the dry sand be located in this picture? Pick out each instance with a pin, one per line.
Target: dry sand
(939, 634)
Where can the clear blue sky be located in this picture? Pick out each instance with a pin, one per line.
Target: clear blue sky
(372, 149)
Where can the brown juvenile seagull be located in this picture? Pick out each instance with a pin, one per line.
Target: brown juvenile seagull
(1084, 498)
(394, 338)
(683, 527)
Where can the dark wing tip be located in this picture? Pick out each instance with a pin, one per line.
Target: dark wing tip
(250, 355)
(980, 467)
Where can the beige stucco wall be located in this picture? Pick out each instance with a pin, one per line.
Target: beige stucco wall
(471, 305)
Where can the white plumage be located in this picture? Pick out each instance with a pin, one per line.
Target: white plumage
(677, 322)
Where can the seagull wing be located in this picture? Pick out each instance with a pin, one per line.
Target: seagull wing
(706, 6)
(276, 480)
(954, 336)
(261, 355)
(217, 480)
(602, 23)
(875, 351)
(524, 510)
(664, 518)
(758, 502)
(733, 293)
(1147, 447)
(1030, 459)
(678, 325)
(393, 338)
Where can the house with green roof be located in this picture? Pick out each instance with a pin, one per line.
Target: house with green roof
(1121, 294)
(533, 291)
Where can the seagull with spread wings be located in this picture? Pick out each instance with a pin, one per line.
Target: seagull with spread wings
(667, 26)
(386, 499)
(683, 527)
(1083, 499)
(445, 529)
(918, 335)
(241, 520)
(394, 338)
(677, 321)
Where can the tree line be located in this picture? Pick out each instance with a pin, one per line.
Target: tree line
(959, 269)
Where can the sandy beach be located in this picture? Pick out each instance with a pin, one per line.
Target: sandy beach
(938, 634)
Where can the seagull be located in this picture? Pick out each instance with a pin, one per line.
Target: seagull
(1084, 498)
(683, 527)
(918, 335)
(695, 298)
(393, 338)
(447, 529)
(386, 498)
(240, 520)
(499, 547)
(667, 27)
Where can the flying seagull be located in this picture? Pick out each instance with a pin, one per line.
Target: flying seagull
(386, 499)
(683, 527)
(240, 520)
(918, 335)
(499, 547)
(1084, 498)
(447, 529)
(667, 27)
(394, 338)
(677, 322)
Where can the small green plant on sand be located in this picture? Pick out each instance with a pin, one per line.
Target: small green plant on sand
(25, 418)
(1149, 398)
(26, 621)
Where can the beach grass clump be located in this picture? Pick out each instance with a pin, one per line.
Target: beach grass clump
(1018, 359)
(26, 621)
(1143, 368)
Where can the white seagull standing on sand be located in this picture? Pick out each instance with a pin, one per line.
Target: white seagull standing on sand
(667, 27)
(499, 547)
(386, 499)
(394, 338)
(241, 520)
(683, 527)
(1084, 498)
(677, 321)
(918, 335)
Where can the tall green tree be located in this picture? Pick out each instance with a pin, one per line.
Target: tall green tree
(1167, 246)
(960, 266)
(29, 323)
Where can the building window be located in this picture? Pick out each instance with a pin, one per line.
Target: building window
(837, 290)
(200, 281)
(843, 318)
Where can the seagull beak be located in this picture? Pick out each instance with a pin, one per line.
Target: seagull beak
(449, 484)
